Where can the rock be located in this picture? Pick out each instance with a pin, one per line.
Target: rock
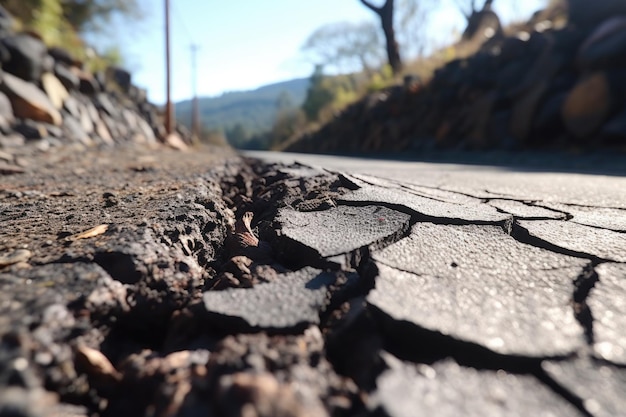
(588, 105)
(294, 301)
(577, 239)
(6, 169)
(57, 93)
(7, 22)
(72, 106)
(261, 393)
(103, 102)
(31, 130)
(61, 55)
(147, 131)
(12, 141)
(446, 389)
(75, 130)
(606, 301)
(586, 16)
(103, 133)
(601, 386)
(29, 102)
(605, 47)
(438, 280)
(174, 141)
(87, 84)
(69, 80)
(27, 54)
(6, 110)
(120, 76)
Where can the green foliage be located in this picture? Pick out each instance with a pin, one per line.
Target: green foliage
(237, 135)
(289, 122)
(62, 22)
(318, 96)
(382, 79)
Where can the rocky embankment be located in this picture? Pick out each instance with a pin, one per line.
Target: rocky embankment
(48, 99)
(544, 88)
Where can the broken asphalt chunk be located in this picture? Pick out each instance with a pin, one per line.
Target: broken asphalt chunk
(343, 229)
(292, 302)
(523, 210)
(442, 211)
(607, 301)
(447, 389)
(579, 239)
(479, 285)
(601, 387)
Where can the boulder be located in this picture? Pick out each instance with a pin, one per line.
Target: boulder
(593, 101)
(69, 80)
(62, 55)
(26, 56)
(6, 110)
(28, 101)
(75, 131)
(586, 15)
(55, 90)
(605, 47)
(6, 21)
(120, 76)
(588, 105)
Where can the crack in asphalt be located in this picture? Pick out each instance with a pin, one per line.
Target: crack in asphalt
(354, 331)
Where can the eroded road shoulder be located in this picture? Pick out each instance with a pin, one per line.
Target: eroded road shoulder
(230, 287)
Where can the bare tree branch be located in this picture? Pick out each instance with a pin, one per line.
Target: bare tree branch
(371, 6)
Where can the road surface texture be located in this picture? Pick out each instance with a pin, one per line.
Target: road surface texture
(162, 283)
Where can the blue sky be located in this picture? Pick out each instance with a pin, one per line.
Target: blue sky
(244, 44)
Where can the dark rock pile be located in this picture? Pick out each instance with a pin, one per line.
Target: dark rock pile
(47, 96)
(543, 88)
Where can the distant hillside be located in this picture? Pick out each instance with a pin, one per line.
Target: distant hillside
(253, 110)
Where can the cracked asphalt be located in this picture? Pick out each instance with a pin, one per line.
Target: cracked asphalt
(375, 288)
(514, 270)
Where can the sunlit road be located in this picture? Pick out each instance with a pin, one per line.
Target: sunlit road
(542, 183)
(519, 269)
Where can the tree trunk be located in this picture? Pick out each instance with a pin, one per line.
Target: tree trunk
(385, 12)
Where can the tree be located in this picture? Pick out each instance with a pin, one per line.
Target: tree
(345, 47)
(478, 19)
(410, 23)
(385, 12)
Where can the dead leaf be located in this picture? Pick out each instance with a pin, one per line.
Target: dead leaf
(98, 230)
(95, 364)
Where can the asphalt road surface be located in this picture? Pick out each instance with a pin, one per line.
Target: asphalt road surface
(149, 282)
(511, 278)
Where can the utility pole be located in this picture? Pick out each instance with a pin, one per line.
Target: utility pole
(169, 110)
(195, 112)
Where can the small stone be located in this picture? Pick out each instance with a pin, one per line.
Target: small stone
(17, 256)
